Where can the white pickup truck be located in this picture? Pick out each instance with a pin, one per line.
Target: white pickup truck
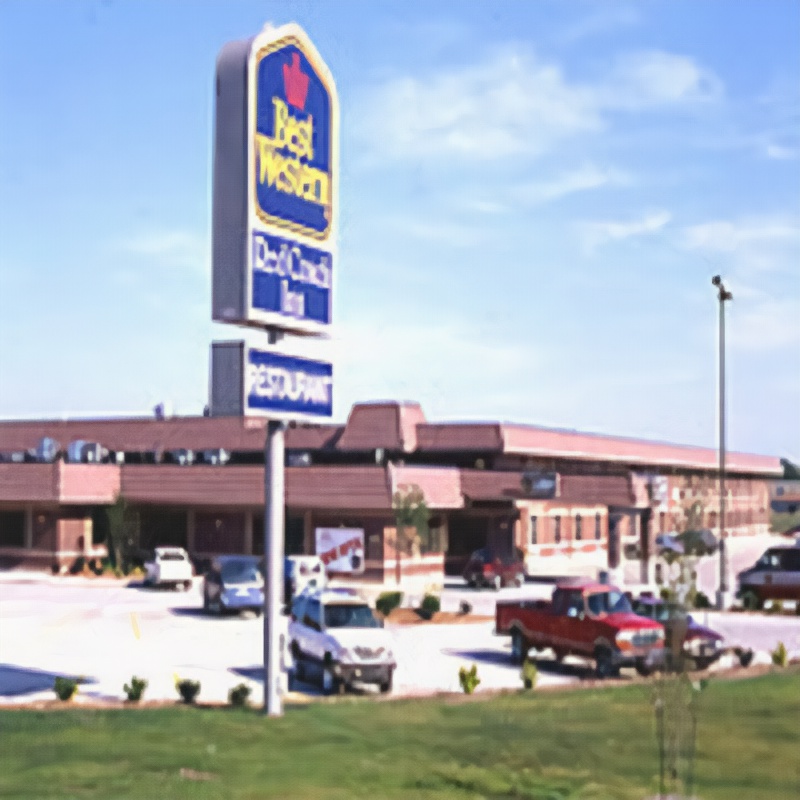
(170, 566)
(336, 639)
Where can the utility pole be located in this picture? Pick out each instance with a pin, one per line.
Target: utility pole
(724, 591)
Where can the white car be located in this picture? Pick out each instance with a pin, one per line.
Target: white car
(170, 566)
(336, 639)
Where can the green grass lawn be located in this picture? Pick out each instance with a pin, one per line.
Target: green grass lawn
(577, 744)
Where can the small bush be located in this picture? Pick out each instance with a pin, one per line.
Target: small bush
(135, 689)
(775, 607)
(430, 605)
(468, 678)
(701, 600)
(529, 674)
(239, 695)
(388, 601)
(188, 690)
(666, 594)
(65, 688)
(780, 658)
(465, 607)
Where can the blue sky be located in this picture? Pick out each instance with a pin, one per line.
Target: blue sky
(534, 198)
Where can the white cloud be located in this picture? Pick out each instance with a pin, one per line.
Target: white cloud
(780, 152)
(183, 249)
(509, 105)
(452, 234)
(514, 104)
(769, 324)
(449, 366)
(724, 236)
(654, 78)
(605, 19)
(582, 179)
(598, 233)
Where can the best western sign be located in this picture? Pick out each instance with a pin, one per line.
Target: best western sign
(275, 184)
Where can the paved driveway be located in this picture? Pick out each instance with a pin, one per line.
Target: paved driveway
(107, 633)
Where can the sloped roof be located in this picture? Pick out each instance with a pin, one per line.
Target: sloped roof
(391, 426)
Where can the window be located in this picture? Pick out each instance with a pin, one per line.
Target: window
(578, 528)
(534, 530)
(598, 530)
(557, 530)
(791, 560)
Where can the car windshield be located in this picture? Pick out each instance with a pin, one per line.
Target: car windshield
(349, 616)
(612, 602)
(241, 572)
(171, 555)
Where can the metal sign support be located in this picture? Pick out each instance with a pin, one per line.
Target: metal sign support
(273, 556)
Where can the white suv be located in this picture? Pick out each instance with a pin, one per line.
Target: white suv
(335, 638)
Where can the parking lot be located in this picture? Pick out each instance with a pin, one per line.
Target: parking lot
(107, 631)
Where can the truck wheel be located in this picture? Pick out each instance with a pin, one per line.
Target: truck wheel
(472, 581)
(604, 663)
(187, 585)
(386, 686)
(751, 601)
(519, 647)
(643, 668)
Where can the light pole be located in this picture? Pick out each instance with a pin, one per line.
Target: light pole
(724, 592)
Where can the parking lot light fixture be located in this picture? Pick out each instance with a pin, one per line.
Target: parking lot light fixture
(724, 592)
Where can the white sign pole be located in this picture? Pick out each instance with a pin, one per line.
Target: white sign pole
(273, 555)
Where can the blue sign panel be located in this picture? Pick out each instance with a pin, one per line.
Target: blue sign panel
(293, 141)
(281, 384)
(291, 279)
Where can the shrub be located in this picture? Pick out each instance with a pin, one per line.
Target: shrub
(388, 601)
(465, 607)
(239, 695)
(430, 605)
(135, 689)
(529, 674)
(65, 688)
(666, 594)
(468, 678)
(701, 600)
(780, 658)
(188, 690)
(775, 607)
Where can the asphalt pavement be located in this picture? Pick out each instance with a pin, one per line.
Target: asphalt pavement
(105, 631)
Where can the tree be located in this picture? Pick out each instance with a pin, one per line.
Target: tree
(116, 530)
(411, 515)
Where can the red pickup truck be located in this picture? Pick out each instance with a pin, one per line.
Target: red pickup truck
(584, 618)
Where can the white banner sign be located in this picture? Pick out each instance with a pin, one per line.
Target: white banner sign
(341, 549)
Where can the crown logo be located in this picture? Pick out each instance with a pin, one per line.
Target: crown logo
(295, 83)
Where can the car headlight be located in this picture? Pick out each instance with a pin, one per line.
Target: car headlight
(624, 639)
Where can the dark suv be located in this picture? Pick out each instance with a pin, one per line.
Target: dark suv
(775, 576)
(487, 568)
